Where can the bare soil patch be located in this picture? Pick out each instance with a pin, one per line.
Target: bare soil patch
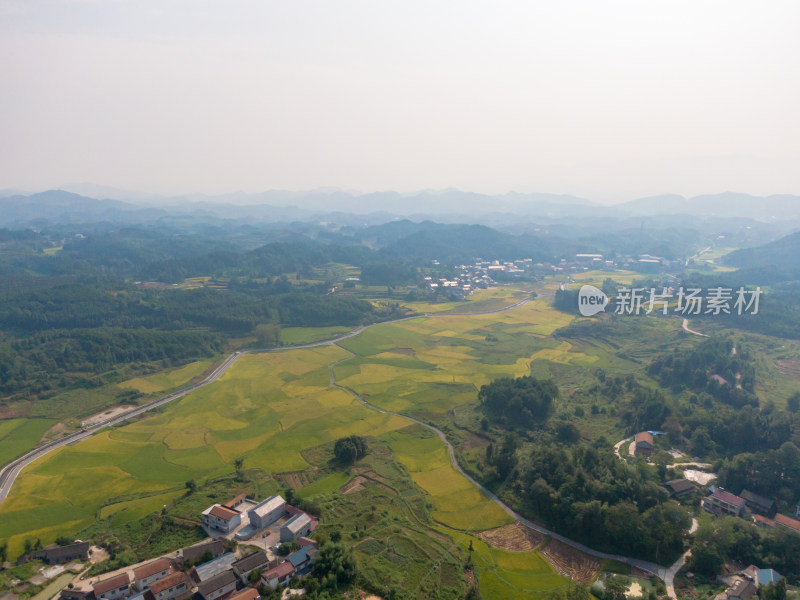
(153, 285)
(473, 441)
(515, 537)
(570, 562)
(205, 373)
(106, 414)
(55, 431)
(469, 575)
(356, 484)
(298, 479)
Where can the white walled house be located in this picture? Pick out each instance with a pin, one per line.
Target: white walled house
(113, 588)
(171, 587)
(221, 518)
(153, 571)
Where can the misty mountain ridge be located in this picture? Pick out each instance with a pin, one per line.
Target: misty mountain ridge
(351, 208)
(727, 204)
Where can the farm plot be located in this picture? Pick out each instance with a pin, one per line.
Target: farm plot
(266, 409)
(19, 435)
(168, 379)
(506, 575)
(570, 562)
(447, 358)
(514, 537)
(457, 503)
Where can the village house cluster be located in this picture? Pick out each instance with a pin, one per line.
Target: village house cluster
(720, 502)
(216, 569)
(486, 273)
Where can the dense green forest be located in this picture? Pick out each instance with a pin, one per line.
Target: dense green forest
(581, 490)
(590, 495)
(76, 311)
(716, 366)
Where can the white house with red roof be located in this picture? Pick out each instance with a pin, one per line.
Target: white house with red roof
(221, 518)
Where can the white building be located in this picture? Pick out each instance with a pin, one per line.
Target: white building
(222, 518)
(113, 588)
(171, 587)
(153, 571)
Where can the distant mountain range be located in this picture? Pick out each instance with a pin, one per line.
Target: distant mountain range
(729, 204)
(90, 202)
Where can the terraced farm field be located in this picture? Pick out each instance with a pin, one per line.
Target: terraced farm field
(274, 410)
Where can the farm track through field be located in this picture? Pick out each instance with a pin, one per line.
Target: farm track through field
(9, 473)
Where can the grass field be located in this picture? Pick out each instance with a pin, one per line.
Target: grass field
(19, 435)
(305, 335)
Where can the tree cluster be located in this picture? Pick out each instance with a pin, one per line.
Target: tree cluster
(350, 449)
(520, 402)
(729, 538)
(592, 496)
(694, 370)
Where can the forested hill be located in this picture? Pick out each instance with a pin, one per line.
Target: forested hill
(463, 243)
(779, 254)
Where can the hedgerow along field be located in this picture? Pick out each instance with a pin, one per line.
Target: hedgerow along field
(271, 407)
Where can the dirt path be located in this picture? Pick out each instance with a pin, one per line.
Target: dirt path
(619, 444)
(692, 331)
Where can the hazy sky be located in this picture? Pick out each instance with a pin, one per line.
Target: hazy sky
(606, 99)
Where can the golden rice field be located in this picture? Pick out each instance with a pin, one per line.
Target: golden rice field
(166, 380)
(270, 407)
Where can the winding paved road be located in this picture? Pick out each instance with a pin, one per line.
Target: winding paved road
(10, 472)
